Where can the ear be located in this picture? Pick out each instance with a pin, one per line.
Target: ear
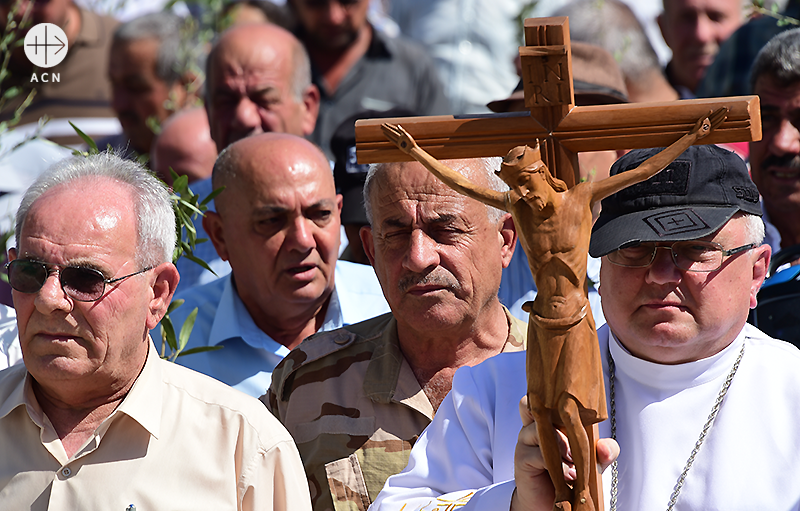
(508, 238)
(368, 243)
(166, 280)
(212, 223)
(311, 99)
(12, 254)
(762, 256)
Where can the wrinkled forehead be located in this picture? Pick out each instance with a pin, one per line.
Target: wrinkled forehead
(410, 190)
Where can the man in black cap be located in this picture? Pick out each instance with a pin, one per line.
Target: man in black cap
(688, 382)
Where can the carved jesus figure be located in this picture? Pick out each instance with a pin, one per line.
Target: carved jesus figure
(565, 379)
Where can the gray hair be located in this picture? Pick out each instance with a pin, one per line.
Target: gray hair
(177, 42)
(492, 180)
(779, 59)
(612, 25)
(754, 230)
(155, 218)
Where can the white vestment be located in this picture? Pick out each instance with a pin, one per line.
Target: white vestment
(750, 459)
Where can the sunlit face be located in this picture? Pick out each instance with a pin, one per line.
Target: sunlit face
(280, 221)
(250, 87)
(65, 342)
(667, 315)
(137, 93)
(775, 159)
(436, 254)
(531, 184)
(331, 24)
(694, 30)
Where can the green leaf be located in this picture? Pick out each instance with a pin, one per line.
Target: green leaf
(186, 329)
(174, 305)
(189, 205)
(86, 138)
(199, 261)
(212, 195)
(180, 183)
(168, 332)
(199, 349)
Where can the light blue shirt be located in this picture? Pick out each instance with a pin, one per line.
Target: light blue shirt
(249, 355)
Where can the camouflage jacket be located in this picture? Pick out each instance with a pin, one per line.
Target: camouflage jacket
(354, 408)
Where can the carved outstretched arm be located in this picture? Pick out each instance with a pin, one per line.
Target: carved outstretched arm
(448, 176)
(652, 166)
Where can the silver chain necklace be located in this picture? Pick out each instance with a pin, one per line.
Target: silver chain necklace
(682, 478)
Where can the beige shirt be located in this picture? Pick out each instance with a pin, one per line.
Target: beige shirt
(178, 441)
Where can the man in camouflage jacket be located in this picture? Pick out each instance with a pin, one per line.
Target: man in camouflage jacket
(356, 399)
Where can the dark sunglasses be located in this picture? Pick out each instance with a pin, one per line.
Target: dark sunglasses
(79, 283)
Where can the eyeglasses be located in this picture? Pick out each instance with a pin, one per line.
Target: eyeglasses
(79, 283)
(701, 256)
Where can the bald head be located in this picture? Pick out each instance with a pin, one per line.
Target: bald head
(185, 146)
(256, 162)
(277, 223)
(259, 81)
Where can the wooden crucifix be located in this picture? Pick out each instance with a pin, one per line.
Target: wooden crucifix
(560, 130)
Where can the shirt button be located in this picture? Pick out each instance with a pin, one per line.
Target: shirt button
(66, 472)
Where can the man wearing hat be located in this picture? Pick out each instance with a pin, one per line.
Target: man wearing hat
(688, 381)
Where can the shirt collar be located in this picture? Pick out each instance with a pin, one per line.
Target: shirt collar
(389, 376)
(232, 319)
(143, 402)
(674, 376)
(21, 394)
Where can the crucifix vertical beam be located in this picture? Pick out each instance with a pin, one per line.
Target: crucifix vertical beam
(549, 94)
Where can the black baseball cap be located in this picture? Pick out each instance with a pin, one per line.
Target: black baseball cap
(692, 197)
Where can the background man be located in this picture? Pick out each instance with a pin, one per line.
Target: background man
(277, 223)
(88, 287)
(613, 26)
(694, 30)
(185, 146)
(775, 159)
(259, 80)
(358, 68)
(676, 336)
(83, 94)
(149, 67)
(357, 398)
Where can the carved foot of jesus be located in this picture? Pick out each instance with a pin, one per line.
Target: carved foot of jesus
(562, 506)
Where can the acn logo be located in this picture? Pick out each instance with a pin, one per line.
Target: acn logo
(46, 45)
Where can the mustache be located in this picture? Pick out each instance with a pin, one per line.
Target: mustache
(791, 161)
(436, 277)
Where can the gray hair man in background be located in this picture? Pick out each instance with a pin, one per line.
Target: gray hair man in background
(152, 67)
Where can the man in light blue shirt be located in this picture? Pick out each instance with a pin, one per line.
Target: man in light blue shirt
(277, 224)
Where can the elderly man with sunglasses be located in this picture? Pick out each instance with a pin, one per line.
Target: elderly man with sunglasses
(94, 419)
(703, 406)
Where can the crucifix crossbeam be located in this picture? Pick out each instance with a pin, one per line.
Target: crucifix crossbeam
(563, 129)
